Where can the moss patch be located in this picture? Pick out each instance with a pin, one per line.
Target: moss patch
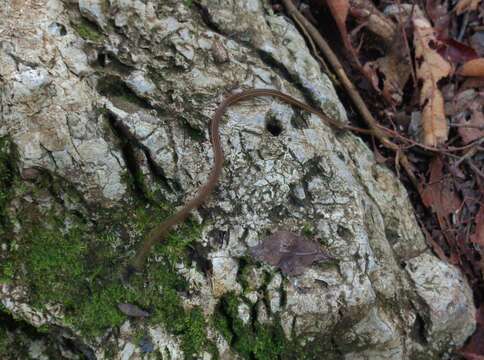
(252, 341)
(66, 258)
(88, 31)
(54, 260)
(265, 341)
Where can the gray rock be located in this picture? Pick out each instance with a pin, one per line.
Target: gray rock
(94, 10)
(143, 116)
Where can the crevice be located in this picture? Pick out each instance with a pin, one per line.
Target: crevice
(50, 156)
(52, 335)
(299, 121)
(114, 88)
(128, 144)
(194, 133)
(70, 341)
(200, 256)
(58, 187)
(223, 313)
(278, 67)
(110, 63)
(418, 331)
(274, 126)
(129, 156)
(336, 348)
(72, 138)
(284, 73)
(207, 19)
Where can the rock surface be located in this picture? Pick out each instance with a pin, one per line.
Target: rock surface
(105, 107)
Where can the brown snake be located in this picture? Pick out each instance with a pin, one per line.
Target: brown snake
(160, 231)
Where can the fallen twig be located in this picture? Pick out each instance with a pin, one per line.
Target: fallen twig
(350, 88)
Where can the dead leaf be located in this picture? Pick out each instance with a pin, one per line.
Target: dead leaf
(459, 103)
(473, 68)
(455, 51)
(365, 12)
(474, 129)
(392, 71)
(431, 67)
(132, 310)
(433, 243)
(466, 5)
(439, 193)
(290, 252)
(475, 347)
(339, 10)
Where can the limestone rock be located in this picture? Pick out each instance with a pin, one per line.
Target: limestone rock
(104, 132)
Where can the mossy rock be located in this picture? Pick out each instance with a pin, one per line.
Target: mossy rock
(76, 261)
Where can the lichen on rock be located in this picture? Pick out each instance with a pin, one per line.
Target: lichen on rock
(104, 133)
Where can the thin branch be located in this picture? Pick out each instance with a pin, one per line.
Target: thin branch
(350, 88)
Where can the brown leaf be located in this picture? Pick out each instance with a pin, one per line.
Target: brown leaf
(439, 193)
(473, 67)
(461, 102)
(431, 67)
(290, 252)
(132, 310)
(474, 129)
(466, 5)
(433, 243)
(364, 11)
(455, 51)
(392, 70)
(474, 349)
(339, 10)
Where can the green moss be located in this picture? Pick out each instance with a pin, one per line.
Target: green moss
(192, 328)
(189, 325)
(261, 341)
(100, 310)
(44, 329)
(252, 341)
(66, 259)
(71, 266)
(54, 261)
(7, 271)
(245, 276)
(308, 230)
(88, 31)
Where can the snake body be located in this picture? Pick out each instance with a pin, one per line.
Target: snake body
(159, 232)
